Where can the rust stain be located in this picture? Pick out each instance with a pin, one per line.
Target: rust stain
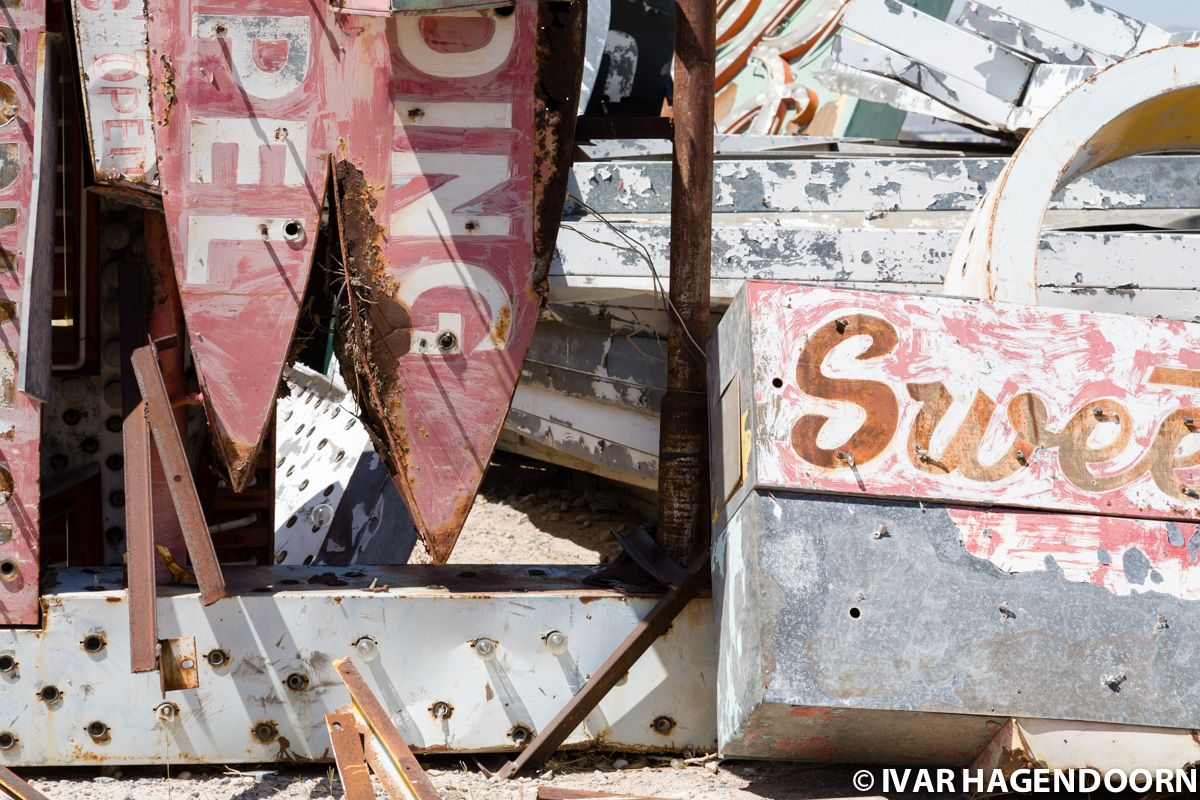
(167, 90)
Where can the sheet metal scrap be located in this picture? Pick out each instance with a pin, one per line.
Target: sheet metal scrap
(21, 123)
(249, 97)
(437, 226)
(1002, 67)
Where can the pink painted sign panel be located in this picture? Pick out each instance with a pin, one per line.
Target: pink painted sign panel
(247, 101)
(975, 402)
(1125, 556)
(20, 415)
(452, 301)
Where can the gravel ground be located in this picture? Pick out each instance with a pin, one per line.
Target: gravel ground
(527, 513)
(462, 780)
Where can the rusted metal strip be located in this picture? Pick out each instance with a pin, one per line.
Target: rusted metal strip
(606, 676)
(348, 754)
(16, 787)
(179, 475)
(683, 519)
(139, 538)
(559, 793)
(382, 728)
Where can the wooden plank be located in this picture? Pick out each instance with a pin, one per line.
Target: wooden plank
(348, 754)
(179, 474)
(973, 403)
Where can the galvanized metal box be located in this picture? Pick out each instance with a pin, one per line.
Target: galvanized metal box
(932, 515)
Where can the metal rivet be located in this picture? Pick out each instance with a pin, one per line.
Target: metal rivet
(49, 694)
(7, 664)
(98, 731)
(485, 648)
(447, 341)
(441, 710)
(297, 682)
(556, 642)
(166, 712)
(293, 230)
(367, 647)
(7, 740)
(520, 734)
(663, 725)
(9, 570)
(217, 658)
(93, 643)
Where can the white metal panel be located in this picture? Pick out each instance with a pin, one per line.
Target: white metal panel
(286, 620)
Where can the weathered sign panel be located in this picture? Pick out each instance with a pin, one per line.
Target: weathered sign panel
(24, 178)
(114, 64)
(964, 510)
(247, 97)
(895, 396)
(438, 230)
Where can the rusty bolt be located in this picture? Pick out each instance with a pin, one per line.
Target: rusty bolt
(49, 694)
(220, 30)
(217, 658)
(98, 731)
(7, 740)
(94, 643)
(296, 681)
(1098, 412)
(1189, 421)
(9, 570)
(840, 325)
(264, 230)
(265, 732)
(846, 457)
(1114, 681)
(1189, 491)
(881, 533)
(8, 664)
(663, 725)
(441, 710)
(166, 712)
(520, 734)
(1021, 458)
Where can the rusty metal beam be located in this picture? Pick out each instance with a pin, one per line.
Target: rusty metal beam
(13, 786)
(380, 724)
(348, 754)
(605, 678)
(161, 419)
(139, 542)
(559, 793)
(683, 512)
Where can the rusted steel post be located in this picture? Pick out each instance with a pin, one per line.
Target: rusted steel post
(683, 513)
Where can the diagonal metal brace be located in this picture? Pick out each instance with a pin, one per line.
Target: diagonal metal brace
(635, 645)
(12, 786)
(161, 419)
